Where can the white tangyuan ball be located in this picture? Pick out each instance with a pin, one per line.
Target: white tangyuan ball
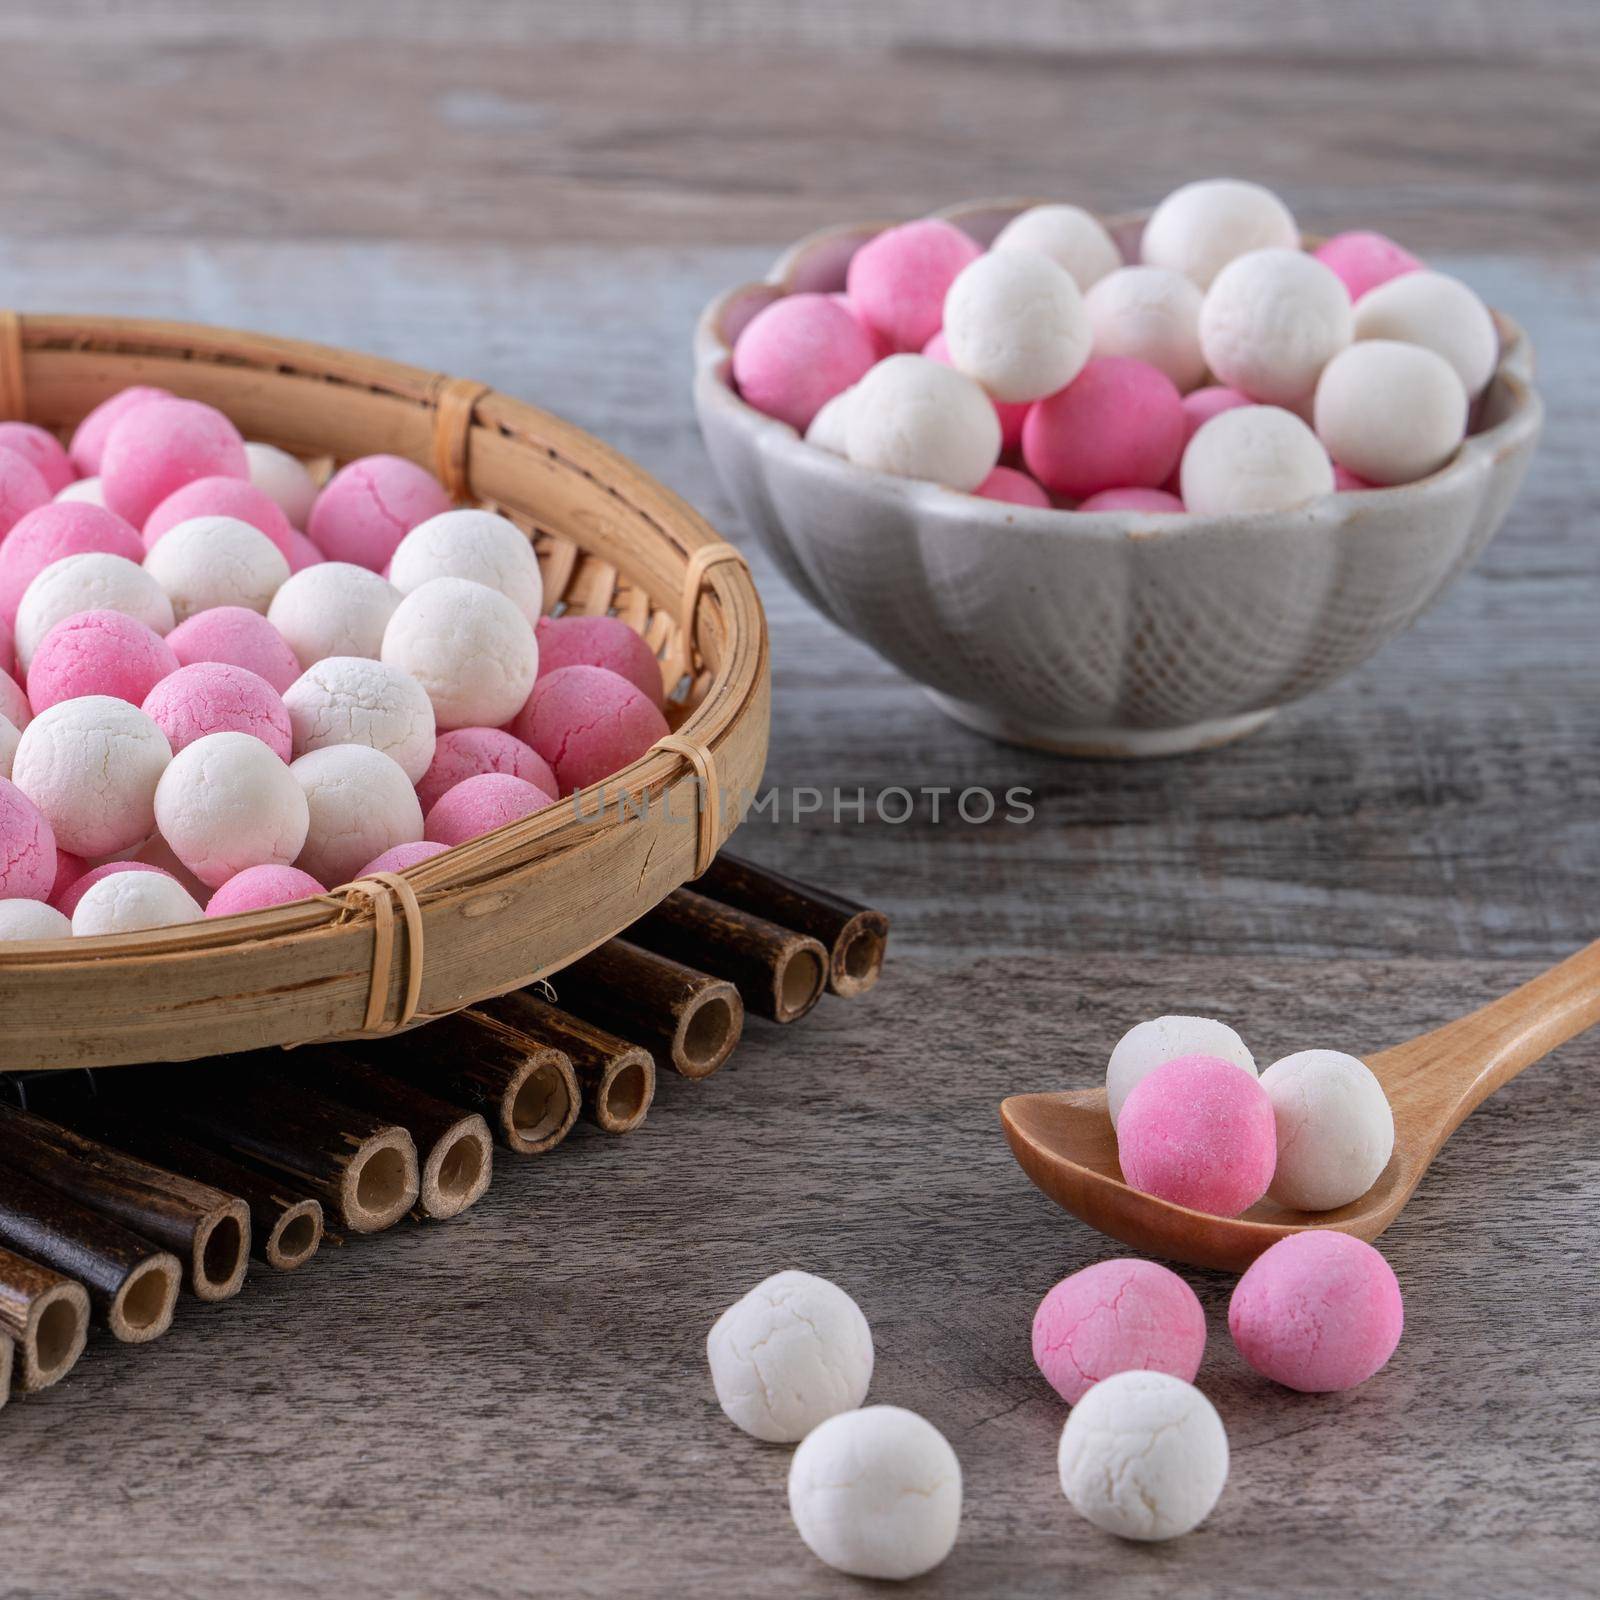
(31, 919)
(351, 700)
(1144, 1455)
(877, 1493)
(216, 561)
(333, 609)
(1335, 1129)
(1152, 315)
(471, 649)
(226, 803)
(1148, 1045)
(125, 902)
(91, 765)
(793, 1352)
(1198, 229)
(1253, 458)
(87, 490)
(1390, 412)
(478, 545)
(90, 581)
(1069, 235)
(1015, 322)
(1441, 314)
(359, 803)
(917, 418)
(10, 738)
(1271, 322)
(830, 428)
(282, 479)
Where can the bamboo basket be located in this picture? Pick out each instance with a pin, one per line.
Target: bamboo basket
(496, 913)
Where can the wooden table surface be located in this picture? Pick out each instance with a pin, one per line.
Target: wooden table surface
(516, 1403)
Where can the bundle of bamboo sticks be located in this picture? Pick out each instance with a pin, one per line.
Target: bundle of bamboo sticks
(119, 1189)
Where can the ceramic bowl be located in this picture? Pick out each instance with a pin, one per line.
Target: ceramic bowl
(1115, 633)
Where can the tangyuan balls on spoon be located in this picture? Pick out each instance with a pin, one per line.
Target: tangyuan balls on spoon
(1335, 1129)
(1147, 1045)
(360, 803)
(479, 545)
(898, 279)
(470, 648)
(126, 902)
(216, 561)
(370, 505)
(588, 723)
(1016, 323)
(333, 609)
(88, 582)
(914, 418)
(348, 700)
(1198, 229)
(796, 354)
(98, 652)
(156, 448)
(1198, 1132)
(1069, 235)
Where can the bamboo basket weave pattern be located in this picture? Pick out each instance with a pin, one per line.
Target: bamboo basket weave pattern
(491, 915)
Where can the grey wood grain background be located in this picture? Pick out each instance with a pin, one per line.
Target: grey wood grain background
(515, 1403)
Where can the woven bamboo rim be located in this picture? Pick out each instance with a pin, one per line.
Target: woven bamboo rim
(499, 912)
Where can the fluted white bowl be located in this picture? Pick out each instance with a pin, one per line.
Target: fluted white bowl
(1113, 633)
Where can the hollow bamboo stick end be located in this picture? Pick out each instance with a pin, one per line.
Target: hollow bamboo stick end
(856, 963)
(46, 1318)
(381, 1183)
(221, 1252)
(541, 1104)
(709, 1028)
(296, 1236)
(455, 1173)
(141, 1309)
(799, 979)
(620, 1095)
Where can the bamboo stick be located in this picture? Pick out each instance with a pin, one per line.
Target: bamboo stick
(202, 1226)
(454, 1146)
(780, 974)
(855, 936)
(285, 1225)
(8, 1361)
(618, 1078)
(132, 1285)
(361, 1167)
(46, 1316)
(689, 1020)
(526, 1089)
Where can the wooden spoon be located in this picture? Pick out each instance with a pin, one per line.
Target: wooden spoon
(1067, 1146)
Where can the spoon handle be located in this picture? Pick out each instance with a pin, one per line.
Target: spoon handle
(1446, 1074)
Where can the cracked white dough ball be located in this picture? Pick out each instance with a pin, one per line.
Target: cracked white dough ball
(1253, 458)
(793, 1352)
(87, 490)
(1270, 323)
(1335, 1129)
(10, 737)
(226, 803)
(470, 648)
(128, 901)
(333, 609)
(216, 561)
(1198, 229)
(1390, 412)
(91, 765)
(90, 581)
(283, 479)
(359, 803)
(1015, 322)
(32, 919)
(478, 545)
(1069, 235)
(1147, 1045)
(351, 700)
(1144, 1455)
(830, 428)
(917, 418)
(877, 1493)
(1441, 314)
(1152, 315)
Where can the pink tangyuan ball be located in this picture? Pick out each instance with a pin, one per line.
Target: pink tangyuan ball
(240, 637)
(599, 642)
(880, 346)
(98, 652)
(898, 279)
(400, 856)
(1119, 424)
(1012, 414)
(1159, 501)
(22, 489)
(1014, 488)
(480, 805)
(370, 505)
(1362, 260)
(1346, 482)
(14, 705)
(302, 553)
(221, 497)
(69, 868)
(464, 753)
(53, 532)
(588, 723)
(1199, 407)
(796, 354)
(27, 847)
(257, 888)
(42, 450)
(89, 438)
(154, 449)
(218, 697)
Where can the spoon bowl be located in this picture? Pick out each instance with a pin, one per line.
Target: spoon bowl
(1066, 1144)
